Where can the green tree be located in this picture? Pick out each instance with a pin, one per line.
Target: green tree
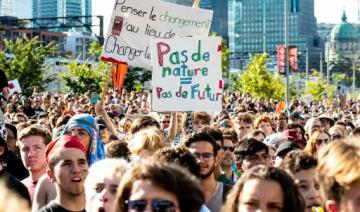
(135, 78)
(89, 75)
(318, 88)
(27, 62)
(338, 77)
(258, 81)
(225, 51)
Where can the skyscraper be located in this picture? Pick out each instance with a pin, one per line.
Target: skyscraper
(234, 24)
(62, 8)
(219, 23)
(252, 32)
(23, 8)
(7, 8)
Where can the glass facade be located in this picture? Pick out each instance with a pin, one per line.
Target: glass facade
(249, 32)
(219, 23)
(62, 8)
(7, 8)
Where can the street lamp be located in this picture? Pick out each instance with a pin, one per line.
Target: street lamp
(328, 63)
(354, 77)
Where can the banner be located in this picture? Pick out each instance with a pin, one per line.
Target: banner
(187, 74)
(135, 22)
(281, 59)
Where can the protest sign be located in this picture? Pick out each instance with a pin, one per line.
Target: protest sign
(135, 22)
(14, 86)
(187, 74)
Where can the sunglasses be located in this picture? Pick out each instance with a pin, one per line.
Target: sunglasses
(157, 205)
(165, 122)
(321, 141)
(230, 148)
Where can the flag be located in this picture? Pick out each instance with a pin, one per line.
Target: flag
(118, 74)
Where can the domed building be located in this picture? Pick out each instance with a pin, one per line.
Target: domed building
(343, 43)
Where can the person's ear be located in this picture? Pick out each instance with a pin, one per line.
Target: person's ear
(50, 175)
(331, 206)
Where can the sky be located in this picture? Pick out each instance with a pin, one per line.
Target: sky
(326, 11)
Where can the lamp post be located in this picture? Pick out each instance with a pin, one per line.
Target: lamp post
(354, 79)
(264, 25)
(287, 54)
(328, 61)
(307, 65)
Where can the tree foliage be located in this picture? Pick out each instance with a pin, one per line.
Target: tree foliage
(258, 81)
(87, 76)
(135, 78)
(24, 60)
(318, 88)
(91, 75)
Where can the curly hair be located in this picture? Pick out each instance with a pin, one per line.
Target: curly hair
(298, 160)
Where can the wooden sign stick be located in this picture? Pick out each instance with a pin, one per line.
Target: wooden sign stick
(196, 4)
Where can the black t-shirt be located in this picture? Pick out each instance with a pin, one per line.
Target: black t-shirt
(3, 80)
(54, 207)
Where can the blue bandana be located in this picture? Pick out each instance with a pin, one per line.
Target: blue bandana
(96, 150)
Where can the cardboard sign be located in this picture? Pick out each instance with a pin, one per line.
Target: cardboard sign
(14, 86)
(308, 98)
(187, 74)
(135, 22)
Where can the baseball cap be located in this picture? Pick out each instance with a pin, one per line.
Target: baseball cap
(63, 142)
(296, 115)
(285, 148)
(101, 123)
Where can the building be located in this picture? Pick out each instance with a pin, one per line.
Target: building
(10, 32)
(301, 25)
(7, 7)
(77, 43)
(219, 23)
(62, 8)
(260, 26)
(343, 43)
(23, 8)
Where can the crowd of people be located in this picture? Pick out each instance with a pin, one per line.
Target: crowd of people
(62, 152)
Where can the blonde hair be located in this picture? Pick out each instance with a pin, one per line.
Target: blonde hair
(151, 139)
(9, 201)
(338, 167)
(310, 147)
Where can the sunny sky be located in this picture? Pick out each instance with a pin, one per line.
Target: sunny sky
(326, 11)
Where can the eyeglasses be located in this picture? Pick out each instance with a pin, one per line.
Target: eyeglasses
(321, 141)
(157, 205)
(77, 132)
(165, 122)
(230, 148)
(205, 156)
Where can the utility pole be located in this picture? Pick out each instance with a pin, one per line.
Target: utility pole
(287, 53)
(264, 25)
(353, 84)
(307, 65)
(321, 66)
(328, 61)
